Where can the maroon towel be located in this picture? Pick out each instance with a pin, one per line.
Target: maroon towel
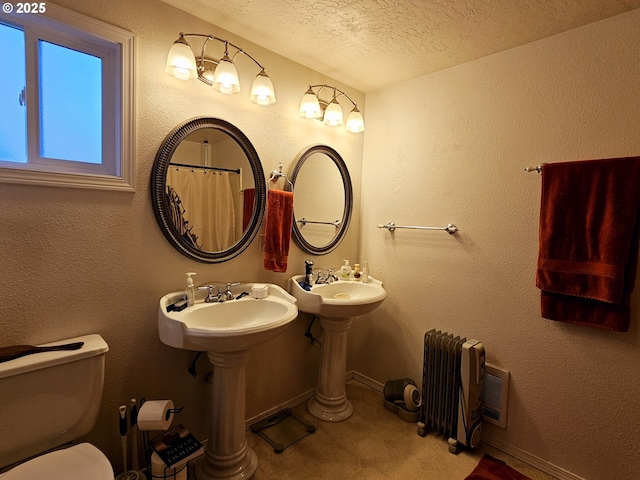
(589, 228)
(277, 234)
(491, 468)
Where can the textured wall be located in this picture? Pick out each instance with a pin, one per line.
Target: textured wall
(451, 147)
(79, 261)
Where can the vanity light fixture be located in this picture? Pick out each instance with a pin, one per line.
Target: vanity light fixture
(220, 74)
(330, 111)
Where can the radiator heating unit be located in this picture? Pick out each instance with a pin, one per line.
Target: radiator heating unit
(452, 386)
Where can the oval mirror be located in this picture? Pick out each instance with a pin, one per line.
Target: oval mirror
(323, 200)
(208, 190)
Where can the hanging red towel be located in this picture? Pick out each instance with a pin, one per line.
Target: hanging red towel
(589, 230)
(278, 230)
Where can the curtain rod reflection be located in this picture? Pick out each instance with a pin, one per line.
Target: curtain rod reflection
(304, 221)
(204, 168)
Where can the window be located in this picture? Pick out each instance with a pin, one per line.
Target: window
(66, 101)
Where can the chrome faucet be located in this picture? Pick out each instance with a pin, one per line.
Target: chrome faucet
(220, 296)
(327, 277)
(211, 295)
(223, 297)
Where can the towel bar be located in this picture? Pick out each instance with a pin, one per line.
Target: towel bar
(537, 168)
(450, 228)
(304, 221)
(276, 174)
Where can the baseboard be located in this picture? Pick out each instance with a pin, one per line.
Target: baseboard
(528, 458)
(369, 382)
(352, 375)
(272, 411)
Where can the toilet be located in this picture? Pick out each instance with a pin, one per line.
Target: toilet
(47, 400)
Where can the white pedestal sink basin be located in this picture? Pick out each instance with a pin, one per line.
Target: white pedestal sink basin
(335, 304)
(226, 331)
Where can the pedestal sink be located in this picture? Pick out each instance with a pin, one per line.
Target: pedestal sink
(226, 331)
(335, 304)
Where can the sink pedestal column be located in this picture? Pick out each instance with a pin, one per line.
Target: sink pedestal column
(227, 454)
(330, 402)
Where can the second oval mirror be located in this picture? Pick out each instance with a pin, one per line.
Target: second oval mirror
(323, 200)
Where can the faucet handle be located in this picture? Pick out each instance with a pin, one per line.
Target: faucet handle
(210, 292)
(228, 295)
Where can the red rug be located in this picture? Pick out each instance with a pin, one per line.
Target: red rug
(491, 468)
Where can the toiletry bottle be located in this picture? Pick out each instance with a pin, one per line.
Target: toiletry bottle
(190, 290)
(345, 270)
(308, 272)
(356, 274)
(365, 271)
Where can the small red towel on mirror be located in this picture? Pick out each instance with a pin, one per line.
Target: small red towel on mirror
(277, 234)
(589, 229)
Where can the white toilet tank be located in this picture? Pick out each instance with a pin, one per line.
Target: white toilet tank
(50, 398)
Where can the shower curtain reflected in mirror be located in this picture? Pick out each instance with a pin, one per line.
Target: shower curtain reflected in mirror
(207, 208)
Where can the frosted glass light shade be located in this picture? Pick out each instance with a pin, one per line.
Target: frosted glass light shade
(262, 91)
(355, 122)
(333, 114)
(181, 63)
(310, 106)
(225, 78)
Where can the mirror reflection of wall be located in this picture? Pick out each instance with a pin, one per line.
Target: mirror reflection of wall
(208, 172)
(319, 199)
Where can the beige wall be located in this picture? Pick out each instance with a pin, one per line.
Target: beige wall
(78, 261)
(451, 147)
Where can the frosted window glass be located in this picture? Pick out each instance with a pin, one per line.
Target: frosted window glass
(13, 111)
(70, 104)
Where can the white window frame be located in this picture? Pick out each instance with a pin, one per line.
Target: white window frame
(116, 48)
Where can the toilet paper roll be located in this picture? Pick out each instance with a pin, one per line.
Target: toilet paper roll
(160, 470)
(155, 415)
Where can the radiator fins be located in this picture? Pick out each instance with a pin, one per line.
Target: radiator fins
(452, 388)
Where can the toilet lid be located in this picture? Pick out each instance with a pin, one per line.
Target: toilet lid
(80, 462)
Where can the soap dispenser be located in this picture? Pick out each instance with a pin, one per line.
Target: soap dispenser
(357, 274)
(190, 290)
(345, 270)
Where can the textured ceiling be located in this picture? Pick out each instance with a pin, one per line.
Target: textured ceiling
(369, 44)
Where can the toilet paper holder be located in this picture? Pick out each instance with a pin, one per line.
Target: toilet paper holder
(172, 411)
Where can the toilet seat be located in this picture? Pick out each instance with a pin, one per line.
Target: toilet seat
(80, 462)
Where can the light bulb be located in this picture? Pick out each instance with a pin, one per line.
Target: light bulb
(225, 78)
(333, 114)
(310, 106)
(262, 91)
(181, 62)
(355, 121)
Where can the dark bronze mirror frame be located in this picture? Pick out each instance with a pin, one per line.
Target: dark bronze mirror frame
(160, 201)
(348, 201)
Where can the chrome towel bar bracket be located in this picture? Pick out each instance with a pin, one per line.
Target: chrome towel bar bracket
(450, 228)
